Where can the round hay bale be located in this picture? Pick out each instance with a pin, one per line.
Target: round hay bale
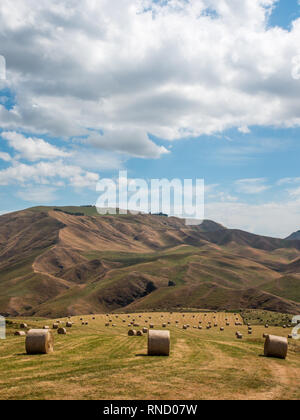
(221, 329)
(107, 324)
(151, 326)
(276, 346)
(55, 326)
(46, 327)
(23, 326)
(20, 333)
(227, 324)
(139, 333)
(200, 327)
(265, 335)
(290, 336)
(158, 343)
(131, 333)
(62, 331)
(239, 336)
(266, 326)
(185, 327)
(113, 325)
(249, 332)
(69, 324)
(81, 319)
(284, 326)
(39, 342)
(145, 330)
(86, 323)
(93, 318)
(164, 325)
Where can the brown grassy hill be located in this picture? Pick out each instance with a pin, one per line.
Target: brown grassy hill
(58, 261)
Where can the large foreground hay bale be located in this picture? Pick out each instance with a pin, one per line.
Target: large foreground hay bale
(39, 342)
(158, 343)
(276, 346)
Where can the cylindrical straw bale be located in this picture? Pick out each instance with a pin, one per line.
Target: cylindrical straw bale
(276, 346)
(39, 342)
(158, 343)
(23, 326)
(131, 333)
(20, 333)
(62, 331)
(69, 324)
(139, 333)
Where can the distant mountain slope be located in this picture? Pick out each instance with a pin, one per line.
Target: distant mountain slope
(70, 260)
(294, 236)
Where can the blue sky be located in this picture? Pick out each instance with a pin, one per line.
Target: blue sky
(181, 89)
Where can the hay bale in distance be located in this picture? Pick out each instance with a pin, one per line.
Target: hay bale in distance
(139, 333)
(62, 331)
(131, 333)
(46, 327)
(69, 324)
(23, 326)
(20, 333)
(151, 326)
(55, 326)
(159, 343)
(39, 342)
(276, 346)
(145, 330)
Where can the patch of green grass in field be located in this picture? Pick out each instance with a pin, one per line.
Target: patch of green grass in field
(262, 317)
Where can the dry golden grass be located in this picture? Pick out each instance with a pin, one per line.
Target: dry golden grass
(97, 362)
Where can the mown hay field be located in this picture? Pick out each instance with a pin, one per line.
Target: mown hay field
(98, 362)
